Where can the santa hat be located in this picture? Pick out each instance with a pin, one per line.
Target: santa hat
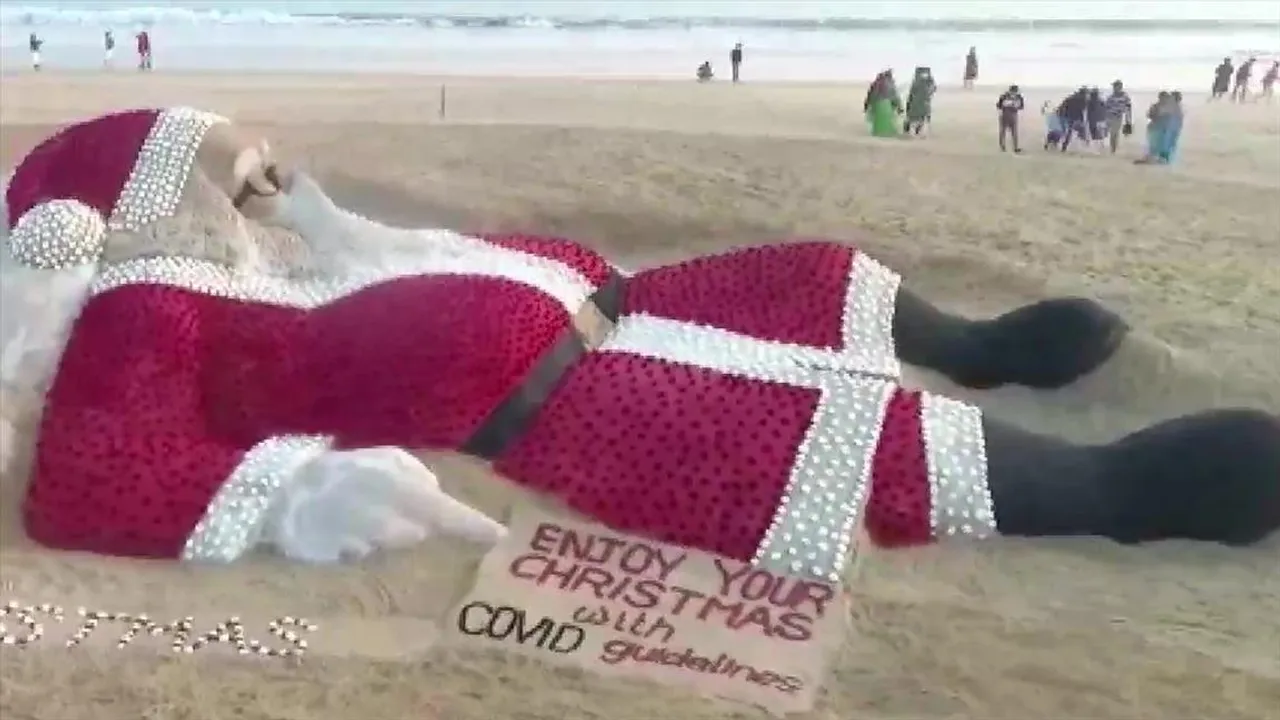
(115, 172)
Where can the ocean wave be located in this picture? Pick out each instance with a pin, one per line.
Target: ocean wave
(144, 15)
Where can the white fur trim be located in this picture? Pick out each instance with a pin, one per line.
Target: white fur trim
(162, 167)
(234, 521)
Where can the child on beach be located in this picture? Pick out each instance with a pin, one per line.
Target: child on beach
(1054, 126)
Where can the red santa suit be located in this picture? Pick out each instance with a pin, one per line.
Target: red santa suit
(745, 404)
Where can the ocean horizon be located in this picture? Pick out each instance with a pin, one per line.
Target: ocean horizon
(1147, 44)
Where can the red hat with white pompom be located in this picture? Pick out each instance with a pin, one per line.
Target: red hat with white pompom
(114, 172)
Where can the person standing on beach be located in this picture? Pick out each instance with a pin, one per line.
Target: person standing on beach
(1222, 79)
(735, 60)
(970, 68)
(108, 48)
(1010, 106)
(1240, 92)
(1269, 81)
(1119, 111)
(35, 43)
(144, 50)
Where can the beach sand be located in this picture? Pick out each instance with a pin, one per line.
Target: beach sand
(655, 171)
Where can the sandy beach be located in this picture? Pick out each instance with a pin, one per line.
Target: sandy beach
(652, 171)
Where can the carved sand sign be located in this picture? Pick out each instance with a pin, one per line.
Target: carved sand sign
(569, 591)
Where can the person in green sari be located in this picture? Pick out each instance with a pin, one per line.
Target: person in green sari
(883, 105)
(919, 101)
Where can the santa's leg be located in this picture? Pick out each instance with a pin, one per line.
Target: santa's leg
(854, 312)
(1046, 344)
(945, 470)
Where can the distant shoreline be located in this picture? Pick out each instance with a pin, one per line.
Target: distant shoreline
(434, 80)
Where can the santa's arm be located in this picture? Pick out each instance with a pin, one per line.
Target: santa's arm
(140, 454)
(126, 463)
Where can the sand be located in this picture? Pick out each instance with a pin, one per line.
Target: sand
(653, 171)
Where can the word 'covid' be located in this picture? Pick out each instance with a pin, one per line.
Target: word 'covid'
(509, 624)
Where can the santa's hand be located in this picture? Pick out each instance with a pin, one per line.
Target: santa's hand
(347, 504)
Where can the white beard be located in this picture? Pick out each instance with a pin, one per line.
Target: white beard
(37, 311)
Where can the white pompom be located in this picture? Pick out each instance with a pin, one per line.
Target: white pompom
(58, 234)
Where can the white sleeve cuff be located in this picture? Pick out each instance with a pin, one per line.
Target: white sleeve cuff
(235, 519)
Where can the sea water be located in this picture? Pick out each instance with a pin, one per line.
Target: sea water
(1147, 44)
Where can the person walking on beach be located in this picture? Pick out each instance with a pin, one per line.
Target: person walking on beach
(1010, 106)
(1269, 81)
(1096, 117)
(1240, 92)
(108, 49)
(35, 43)
(920, 101)
(1073, 111)
(1222, 79)
(970, 68)
(1119, 112)
(735, 60)
(883, 105)
(1164, 126)
(144, 50)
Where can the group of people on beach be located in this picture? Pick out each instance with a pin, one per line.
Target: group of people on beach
(1239, 91)
(35, 44)
(1086, 115)
(706, 74)
(883, 104)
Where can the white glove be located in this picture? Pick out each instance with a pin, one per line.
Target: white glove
(347, 504)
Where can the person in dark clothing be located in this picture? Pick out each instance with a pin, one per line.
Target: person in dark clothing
(34, 43)
(1240, 92)
(1010, 105)
(1096, 116)
(1072, 110)
(1222, 79)
(735, 59)
(970, 68)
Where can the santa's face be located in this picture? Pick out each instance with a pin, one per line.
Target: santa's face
(240, 164)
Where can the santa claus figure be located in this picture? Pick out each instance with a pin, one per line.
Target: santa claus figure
(177, 386)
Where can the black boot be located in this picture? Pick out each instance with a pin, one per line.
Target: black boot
(1214, 476)
(1044, 345)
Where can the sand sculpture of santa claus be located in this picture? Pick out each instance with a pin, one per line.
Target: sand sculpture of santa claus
(174, 387)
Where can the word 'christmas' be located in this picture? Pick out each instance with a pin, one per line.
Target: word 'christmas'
(638, 575)
(182, 633)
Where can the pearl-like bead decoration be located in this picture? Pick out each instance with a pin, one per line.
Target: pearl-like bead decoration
(182, 632)
(442, 252)
(233, 522)
(815, 521)
(867, 327)
(160, 172)
(58, 234)
(955, 449)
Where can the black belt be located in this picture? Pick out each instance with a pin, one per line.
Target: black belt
(512, 416)
(608, 299)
